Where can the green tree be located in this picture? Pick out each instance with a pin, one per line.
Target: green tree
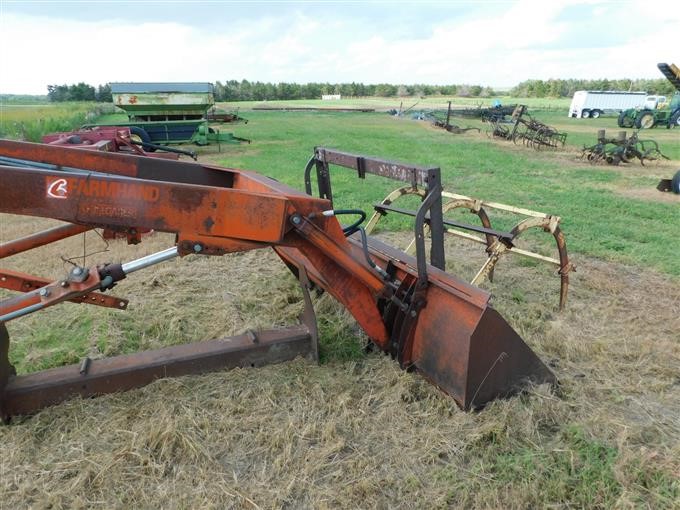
(103, 94)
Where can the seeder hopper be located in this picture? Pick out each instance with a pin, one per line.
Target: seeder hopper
(430, 321)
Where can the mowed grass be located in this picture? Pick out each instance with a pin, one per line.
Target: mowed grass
(406, 103)
(357, 432)
(598, 217)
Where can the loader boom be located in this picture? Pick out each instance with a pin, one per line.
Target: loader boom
(425, 318)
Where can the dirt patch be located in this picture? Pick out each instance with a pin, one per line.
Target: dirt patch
(651, 194)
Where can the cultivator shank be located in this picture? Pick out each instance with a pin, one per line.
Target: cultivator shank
(427, 319)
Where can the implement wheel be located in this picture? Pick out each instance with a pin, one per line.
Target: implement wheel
(142, 136)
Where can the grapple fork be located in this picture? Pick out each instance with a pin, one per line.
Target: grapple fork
(428, 320)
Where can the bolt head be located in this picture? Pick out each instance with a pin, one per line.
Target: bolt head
(296, 219)
(77, 271)
(198, 248)
(44, 292)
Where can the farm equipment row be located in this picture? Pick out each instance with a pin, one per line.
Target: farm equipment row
(427, 319)
(451, 128)
(218, 115)
(622, 149)
(527, 130)
(114, 139)
(486, 114)
(667, 115)
(170, 113)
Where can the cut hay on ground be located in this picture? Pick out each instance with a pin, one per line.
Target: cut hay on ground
(355, 431)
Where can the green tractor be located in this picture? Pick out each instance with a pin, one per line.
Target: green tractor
(669, 116)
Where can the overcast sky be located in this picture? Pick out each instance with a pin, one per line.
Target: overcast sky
(498, 44)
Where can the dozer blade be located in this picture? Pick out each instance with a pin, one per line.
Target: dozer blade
(459, 342)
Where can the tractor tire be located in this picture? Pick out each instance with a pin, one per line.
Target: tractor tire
(585, 114)
(675, 120)
(645, 120)
(143, 137)
(624, 121)
(595, 114)
(675, 183)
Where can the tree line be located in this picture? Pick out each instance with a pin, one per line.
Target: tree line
(79, 92)
(566, 88)
(244, 90)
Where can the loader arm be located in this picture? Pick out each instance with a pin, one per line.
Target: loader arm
(424, 317)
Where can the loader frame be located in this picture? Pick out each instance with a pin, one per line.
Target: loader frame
(428, 320)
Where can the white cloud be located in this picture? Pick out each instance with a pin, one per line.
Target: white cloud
(526, 39)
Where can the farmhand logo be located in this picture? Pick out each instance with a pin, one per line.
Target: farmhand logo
(94, 188)
(58, 189)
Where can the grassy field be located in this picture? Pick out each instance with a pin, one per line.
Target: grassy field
(356, 432)
(389, 103)
(609, 212)
(30, 122)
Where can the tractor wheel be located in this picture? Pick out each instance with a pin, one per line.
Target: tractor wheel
(675, 183)
(585, 114)
(595, 114)
(645, 120)
(675, 120)
(624, 120)
(141, 135)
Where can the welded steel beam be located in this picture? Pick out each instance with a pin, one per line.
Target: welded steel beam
(29, 393)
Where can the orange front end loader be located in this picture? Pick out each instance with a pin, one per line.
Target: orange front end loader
(428, 320)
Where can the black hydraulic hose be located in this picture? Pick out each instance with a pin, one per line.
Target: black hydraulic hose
(165, 148)
(348, 231)
(364, 246)
(355, 227)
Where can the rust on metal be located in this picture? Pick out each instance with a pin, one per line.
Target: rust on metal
(41, 239)
(29, 393)
(527, 130)
(113, 139)
(622, 149)
(496, 244)
(7, 371)
(427, 319)
(22, 282)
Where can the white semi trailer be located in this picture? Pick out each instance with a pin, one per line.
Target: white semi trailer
(593, 103)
